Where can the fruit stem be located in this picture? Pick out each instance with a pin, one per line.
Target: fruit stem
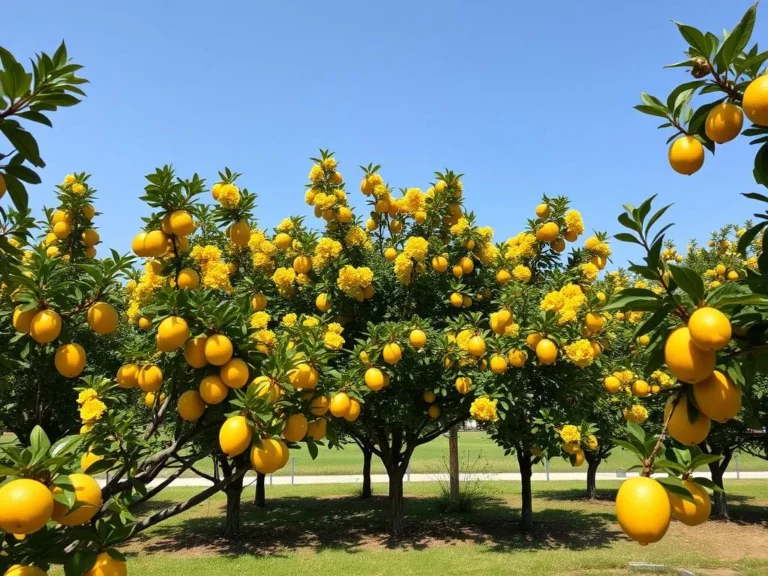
(726, 87)
(648, 464)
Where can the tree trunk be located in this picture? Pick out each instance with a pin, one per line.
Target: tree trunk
(593, 461)
(396, 519)
(526, 469)
(233, 492)
(453, 460)
(367, 456)
(719, 502)
(717, 469)
(260, 499)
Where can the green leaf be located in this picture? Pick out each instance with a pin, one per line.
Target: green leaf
(656, 217)
(707, 483)
(17, 192)
(674, 485)
(35, 117)
(651, 110)
(23, 141)
(634, 299)
(748, 236)
(738, 38)
(626, 237)
(682, 94)
(23, 173)
(695, 38)
(689, 282)
(636, 431)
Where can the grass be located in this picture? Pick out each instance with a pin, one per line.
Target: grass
(429, 459)
(326, 529)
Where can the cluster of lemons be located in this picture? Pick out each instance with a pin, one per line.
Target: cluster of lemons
(723, 123)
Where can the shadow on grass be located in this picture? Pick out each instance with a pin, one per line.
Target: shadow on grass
(354, 525)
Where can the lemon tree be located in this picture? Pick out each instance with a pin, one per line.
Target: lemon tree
(60, 310)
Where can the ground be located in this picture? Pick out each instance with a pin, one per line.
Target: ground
(329, 530)
(477, 453)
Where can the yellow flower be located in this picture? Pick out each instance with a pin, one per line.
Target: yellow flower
(310, 321)
(285, 225)
(460, 226)
(316, 173)
(92, 410)
(487, 252)
(637, 414)
(78, 188)
(266, 341)
(512, 330)
(302, 279)
(85, 395)
(333, 341)
(69, 179)
(403, 268)
(309, 196)
(580, 353)
(324, 201)
(521, 246)
(591, 442)
(229, 196)
(329, 163)
(289, 319)
(484, 409)
(352, 281)
(284, 278)
(413, 201)
(356, 236)
(416, 248)
(602, 249)
(259, 320)
(521, 273)
(570, 433)
(590, 272)
(335, 327)
(326, 250)
(573, 222)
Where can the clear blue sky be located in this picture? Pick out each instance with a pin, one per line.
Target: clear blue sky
(523, 98)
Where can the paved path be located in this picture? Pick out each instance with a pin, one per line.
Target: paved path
(382, 478)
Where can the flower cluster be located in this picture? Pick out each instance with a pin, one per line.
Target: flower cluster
(284, 279)
(636, 413)
(91, 408)
(413, 202)
(570, 433)
(265, 340)
(521, 246)
(332, 337)
(215, 272)
(262, 250)
(566, 302)
(228, 196)
(416, 248)
(356, 236)
(259, 320)
(580, 353)
(403, 268)
(355, 282)
(484, 409)
(589, 271)
(521, 273)
(140, 293)
(663, 379)
(327, 249)
(574, 223)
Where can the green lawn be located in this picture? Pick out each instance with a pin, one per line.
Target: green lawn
(477, 452)
(328, 530)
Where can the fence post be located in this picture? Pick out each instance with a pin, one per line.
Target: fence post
(738, 468)
(293, 468)
(408, 471)
(270, 479)
(546, 467)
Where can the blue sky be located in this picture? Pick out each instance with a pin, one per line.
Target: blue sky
(523, 98)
